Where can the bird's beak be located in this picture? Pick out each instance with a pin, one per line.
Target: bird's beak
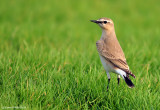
(95, 21)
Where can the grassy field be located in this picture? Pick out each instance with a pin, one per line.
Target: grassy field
(48, 56)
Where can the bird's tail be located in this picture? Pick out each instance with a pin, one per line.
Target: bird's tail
(128, 82)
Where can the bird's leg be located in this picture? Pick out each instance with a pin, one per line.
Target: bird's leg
(118, 78)
(108, 83)
(108, 75)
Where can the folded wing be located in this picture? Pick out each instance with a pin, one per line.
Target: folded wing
(114, 55)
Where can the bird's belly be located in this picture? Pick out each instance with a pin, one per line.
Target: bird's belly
(107, 66)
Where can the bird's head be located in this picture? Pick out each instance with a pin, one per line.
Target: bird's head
(104, 23)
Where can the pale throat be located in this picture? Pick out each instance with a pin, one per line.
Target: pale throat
(104, 34)
(107, 33)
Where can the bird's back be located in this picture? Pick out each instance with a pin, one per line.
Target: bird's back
(112, 45)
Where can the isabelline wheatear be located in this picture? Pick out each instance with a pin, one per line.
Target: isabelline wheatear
(111, 53)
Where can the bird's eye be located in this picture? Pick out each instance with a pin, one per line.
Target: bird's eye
(105, 22)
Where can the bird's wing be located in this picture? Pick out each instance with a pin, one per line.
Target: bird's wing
(116, 58)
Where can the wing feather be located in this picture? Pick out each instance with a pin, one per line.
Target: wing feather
(119, 62)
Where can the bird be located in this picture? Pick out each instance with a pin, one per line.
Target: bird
(111, 53)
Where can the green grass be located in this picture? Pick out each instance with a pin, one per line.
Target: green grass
(48, 57)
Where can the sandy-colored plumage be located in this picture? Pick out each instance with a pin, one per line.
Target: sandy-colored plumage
(111, 53)
(109, 47)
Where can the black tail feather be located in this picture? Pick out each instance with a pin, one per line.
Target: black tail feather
(129, 82)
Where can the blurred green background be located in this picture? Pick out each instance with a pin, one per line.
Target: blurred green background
(48, 57)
